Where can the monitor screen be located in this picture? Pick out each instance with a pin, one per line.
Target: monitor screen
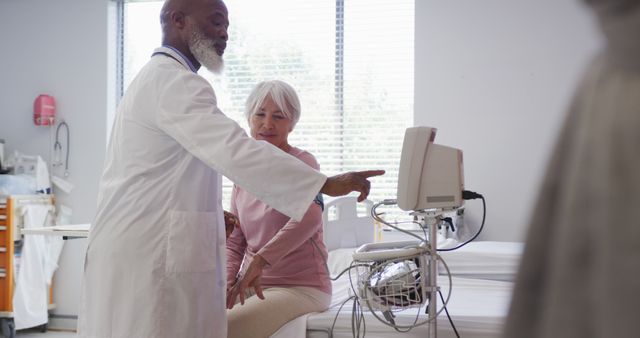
(430, 175)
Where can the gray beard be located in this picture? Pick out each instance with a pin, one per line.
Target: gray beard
(204, 51)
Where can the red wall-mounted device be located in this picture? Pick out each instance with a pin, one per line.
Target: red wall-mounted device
(44, 110)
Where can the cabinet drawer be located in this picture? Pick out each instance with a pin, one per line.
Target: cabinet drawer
(5, 261)
(4, 236)
(4, 257)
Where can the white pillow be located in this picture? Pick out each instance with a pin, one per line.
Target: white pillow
(339, 260)
(484, 260)
(478, 259)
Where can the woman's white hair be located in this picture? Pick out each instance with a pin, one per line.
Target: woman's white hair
(282, 94)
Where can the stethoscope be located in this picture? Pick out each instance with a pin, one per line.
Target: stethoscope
(57, 149)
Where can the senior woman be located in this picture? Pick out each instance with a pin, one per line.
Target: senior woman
(278, 263)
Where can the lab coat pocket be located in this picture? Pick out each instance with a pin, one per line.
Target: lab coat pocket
(191, 242)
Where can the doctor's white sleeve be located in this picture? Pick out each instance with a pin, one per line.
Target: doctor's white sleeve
(188, 113)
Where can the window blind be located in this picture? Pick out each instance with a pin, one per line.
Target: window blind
(351, 62)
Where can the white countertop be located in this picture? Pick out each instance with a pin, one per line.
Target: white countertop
(66, 231)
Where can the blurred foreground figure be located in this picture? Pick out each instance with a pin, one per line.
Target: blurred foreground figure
(580, 273)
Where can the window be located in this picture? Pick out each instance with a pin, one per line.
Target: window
(351, 62)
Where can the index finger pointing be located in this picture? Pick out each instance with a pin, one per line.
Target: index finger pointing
(370, 173)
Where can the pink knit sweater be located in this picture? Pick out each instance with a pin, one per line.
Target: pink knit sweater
(294, 251)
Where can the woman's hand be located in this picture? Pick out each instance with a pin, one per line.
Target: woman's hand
(230, 222)
(251, 278)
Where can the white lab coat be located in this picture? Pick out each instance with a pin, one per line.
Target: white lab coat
(155, 264)
(31, 295)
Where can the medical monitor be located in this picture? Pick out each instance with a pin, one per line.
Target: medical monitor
(430, 175)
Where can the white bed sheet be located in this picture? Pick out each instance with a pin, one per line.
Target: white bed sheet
(479, 259)
(478, 309)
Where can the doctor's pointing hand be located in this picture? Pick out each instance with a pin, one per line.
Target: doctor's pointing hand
(343, 184)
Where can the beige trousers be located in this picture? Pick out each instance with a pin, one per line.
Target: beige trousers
(259, 318)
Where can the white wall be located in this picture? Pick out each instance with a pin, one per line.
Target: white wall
(59, 48)
(495, 77)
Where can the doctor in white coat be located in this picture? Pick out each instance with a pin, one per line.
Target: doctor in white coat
(155, 264)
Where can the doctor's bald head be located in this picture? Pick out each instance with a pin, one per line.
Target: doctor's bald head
(198, 29)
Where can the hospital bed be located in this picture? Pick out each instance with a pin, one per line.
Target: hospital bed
(482, 277)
